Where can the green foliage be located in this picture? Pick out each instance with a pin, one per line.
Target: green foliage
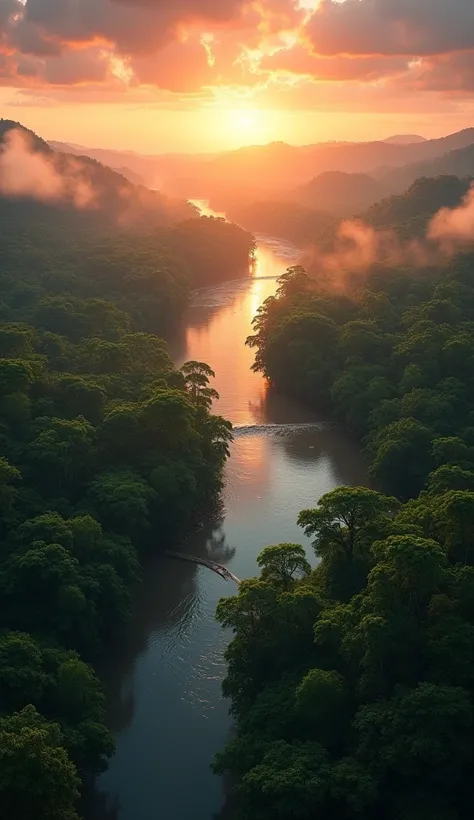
(129, 263)
(145, 459)
(208, 244)
(296, 222)
(344, 526)
(283, 563)
(106, 451)
(37, 779)
(359, 701)
(9, 477)
(63, 688)
(392, 360)
(370, 713)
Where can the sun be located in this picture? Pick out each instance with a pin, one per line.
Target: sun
(240, 125)
(245, 121)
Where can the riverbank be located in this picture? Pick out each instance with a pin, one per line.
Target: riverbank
(164, 687)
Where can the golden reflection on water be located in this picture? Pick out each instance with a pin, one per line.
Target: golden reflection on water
(216, 334)
(255, 299)
(205, 210)
(220, 320)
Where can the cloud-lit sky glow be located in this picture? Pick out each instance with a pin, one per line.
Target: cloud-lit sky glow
(206, 75)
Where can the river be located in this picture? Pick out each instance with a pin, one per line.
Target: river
(165, 683)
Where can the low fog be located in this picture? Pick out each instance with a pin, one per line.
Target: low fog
(26, 172)
(359, 246)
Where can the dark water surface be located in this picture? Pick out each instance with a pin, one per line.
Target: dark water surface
(164, 683)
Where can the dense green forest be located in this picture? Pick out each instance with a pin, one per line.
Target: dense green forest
(352, 684)
(391, 358)
(409, 213)
(289, 220)
(49, 254)
(107, 452)
(135, 247)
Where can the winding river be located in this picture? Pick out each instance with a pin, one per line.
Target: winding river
(165, 682)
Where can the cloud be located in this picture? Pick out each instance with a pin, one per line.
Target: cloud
(299, 60)
(131, 27)
(76, 67)
(27, 38)
(7, 9)
(272, 49)
(407, 45)
(388, 96)
(391, 27)
(445, 73)
(179, 67)
(165, 43)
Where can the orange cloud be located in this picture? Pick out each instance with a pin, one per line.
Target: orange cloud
(403, 27)
(299, 60)
(451, 73)
(355, 55)
(165, 43)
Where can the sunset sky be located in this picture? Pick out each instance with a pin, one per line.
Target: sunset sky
(208, 75)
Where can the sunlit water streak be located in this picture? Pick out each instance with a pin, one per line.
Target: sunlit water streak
(165, 684)
(282, 430)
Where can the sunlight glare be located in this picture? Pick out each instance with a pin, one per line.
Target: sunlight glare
(255, 298)
(249, 126)
(246, 121)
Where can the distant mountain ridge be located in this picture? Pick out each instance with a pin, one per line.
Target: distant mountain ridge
(458, 163)
(266, 187)
(275, 166)
(278, 166)
(152, 169)
(300, 164)
(341, 193)
(132, 176)
(405, 139)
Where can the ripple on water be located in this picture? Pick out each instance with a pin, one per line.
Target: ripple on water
(282, 430)
(191, 651)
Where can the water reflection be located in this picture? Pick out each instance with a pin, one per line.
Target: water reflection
(165, 701)
(217, 324)
(165, 682)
